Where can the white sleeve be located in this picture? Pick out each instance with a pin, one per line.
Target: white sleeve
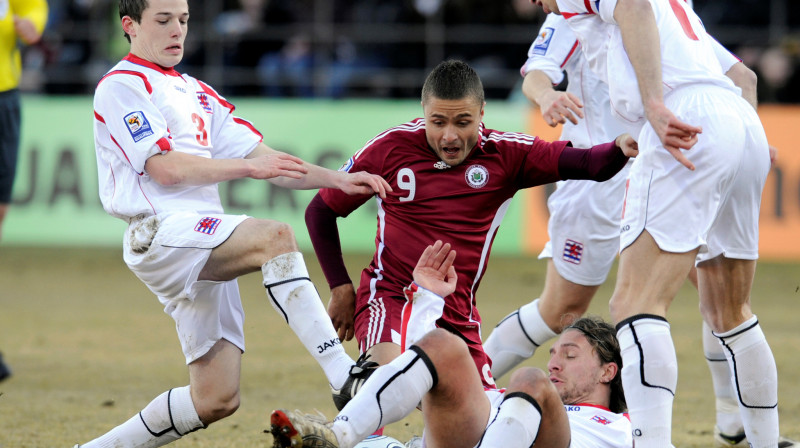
(554, 46)
(605, 9)
(420, 313)
(122, 101)
(725, 57)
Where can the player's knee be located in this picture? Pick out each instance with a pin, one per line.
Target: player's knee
(216, 407)
(444, 347)
(532, 381)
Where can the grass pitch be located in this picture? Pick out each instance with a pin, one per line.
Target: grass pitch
(89, 347)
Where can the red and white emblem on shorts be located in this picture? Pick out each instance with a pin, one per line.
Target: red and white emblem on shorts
(207, 225)
(573, 251)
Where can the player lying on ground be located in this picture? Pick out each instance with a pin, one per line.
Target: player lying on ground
(579, 404)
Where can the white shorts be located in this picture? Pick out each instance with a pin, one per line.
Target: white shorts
(495, 397)
(584, 227)
(715, 207)
(167, 253)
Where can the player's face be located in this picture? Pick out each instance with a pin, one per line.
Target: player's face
(548, 6)
(159, 38)
(451, 127)
(576, 370)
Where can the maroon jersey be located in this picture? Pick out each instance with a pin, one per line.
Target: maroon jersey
(461, 205)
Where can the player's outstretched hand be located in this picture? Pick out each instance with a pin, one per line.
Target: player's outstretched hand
(274, 164)
(628, 145)
(558, 107)
(435, 271)
(363, 182)
(674, 134)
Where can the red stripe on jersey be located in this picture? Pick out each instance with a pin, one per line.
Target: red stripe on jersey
(164, 144)
(411, 126)
(588, 5)
(569, 55)
(249, 125)
(169, 71)
(99, 118)
(207, 89)
(130, 72)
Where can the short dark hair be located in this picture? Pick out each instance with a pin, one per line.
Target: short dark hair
(133, 9)
(602, 336)
(453, 80)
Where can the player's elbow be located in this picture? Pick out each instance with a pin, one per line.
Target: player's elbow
(165, 173)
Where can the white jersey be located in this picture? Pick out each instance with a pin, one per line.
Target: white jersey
(688, 53)
(556, 50)
(142, 109)
(597, 427)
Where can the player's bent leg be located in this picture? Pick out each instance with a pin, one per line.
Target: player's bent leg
(383, 352)
(395, 389)
(214, 381)
(724, 285)
(456, 410)
(531, 410)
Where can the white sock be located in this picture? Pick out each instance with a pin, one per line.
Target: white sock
(516, 424)
(296, 299)
(729, 420)
(649, 378)
(516, 338)
(390, 394)
(755, 378)
(167, 418)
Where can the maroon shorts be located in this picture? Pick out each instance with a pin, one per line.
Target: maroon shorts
(380, 321)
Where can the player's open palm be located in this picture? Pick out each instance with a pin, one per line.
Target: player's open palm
(435, 271)
(363, 182)
(558, 107)
(674, 134)
(276, 164)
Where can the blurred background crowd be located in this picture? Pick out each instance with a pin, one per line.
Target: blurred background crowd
(372, 48)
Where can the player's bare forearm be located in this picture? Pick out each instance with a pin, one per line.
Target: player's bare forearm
(176, 168)
(556, 107)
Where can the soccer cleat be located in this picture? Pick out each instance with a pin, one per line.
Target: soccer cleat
(723, 440)
(359, 373)
(296, 429)
(740, 440)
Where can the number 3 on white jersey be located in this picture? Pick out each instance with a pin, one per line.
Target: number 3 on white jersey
(406, 181)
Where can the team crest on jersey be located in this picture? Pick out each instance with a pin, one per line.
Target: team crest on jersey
(347, 165)
(573, 251)
(138, 125)
(441, 165)
(203, 99)
(542, 42)
(477, 176)
(207, 225)
(600, 419)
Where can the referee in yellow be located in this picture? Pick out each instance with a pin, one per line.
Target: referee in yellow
(21, 21)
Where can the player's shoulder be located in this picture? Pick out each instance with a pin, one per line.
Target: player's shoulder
(126, 75)
(408, 134)
(506, 139)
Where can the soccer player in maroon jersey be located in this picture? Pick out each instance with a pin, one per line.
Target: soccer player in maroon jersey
(453, 180)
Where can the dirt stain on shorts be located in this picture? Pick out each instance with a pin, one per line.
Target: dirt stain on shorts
(142, 233)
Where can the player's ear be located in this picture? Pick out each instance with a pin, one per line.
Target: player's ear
(127, 25)
(609, 372)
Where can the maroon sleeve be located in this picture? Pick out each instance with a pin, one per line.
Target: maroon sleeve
(324, 233)
(599, 163)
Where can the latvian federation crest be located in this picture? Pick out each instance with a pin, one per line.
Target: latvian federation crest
(477, 176)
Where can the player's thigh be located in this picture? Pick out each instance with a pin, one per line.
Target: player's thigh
(214, 377)
(562, 301)
(648, 278)
(456, 411)
(253, 243)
